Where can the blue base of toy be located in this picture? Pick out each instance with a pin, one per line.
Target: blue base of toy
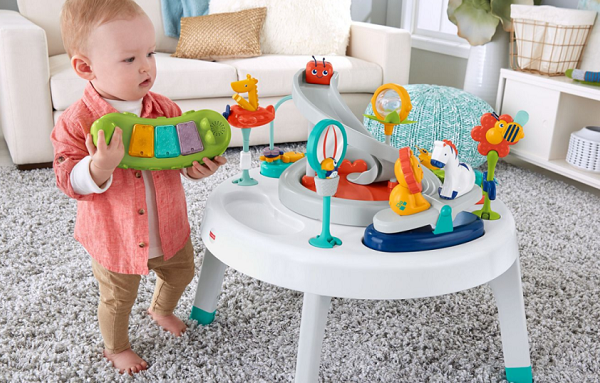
(519, 374)
(203, 317)
(467, 227)
(245, 180)
(273, 169)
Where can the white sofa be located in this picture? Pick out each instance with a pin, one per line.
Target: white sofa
(37, 82)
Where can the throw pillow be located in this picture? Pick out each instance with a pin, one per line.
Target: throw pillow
(221, 36)
(298, 27)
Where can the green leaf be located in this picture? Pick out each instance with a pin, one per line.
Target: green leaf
(392, 118)
(475, 21)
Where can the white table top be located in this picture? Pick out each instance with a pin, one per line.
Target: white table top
(258, 236)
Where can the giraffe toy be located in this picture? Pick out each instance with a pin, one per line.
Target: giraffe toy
(247, 115)
(246, 86)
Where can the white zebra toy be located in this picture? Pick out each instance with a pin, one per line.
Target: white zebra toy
(459, 177)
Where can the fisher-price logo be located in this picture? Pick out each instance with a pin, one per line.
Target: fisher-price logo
(212, 235)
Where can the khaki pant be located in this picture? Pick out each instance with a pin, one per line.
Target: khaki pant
(119, 291)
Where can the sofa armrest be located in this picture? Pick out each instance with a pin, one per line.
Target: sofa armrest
(25, 102)
(386, 46)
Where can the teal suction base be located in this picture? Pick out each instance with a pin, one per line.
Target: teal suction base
(519, 374)
(245, 180)
(325, 242)
(203, 317)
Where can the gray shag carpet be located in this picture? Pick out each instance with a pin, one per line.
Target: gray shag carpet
(48, 302)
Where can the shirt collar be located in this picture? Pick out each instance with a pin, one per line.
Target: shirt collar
(134, 107)
(99, 107)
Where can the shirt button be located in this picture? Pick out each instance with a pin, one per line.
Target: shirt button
(142, 244)
(138, 174)
(141, 211)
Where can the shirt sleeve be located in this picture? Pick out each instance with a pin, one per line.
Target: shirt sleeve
(82, 181)
(68, 140)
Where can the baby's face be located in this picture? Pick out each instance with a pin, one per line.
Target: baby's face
(121, 53)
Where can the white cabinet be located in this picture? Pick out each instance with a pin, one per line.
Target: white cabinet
(557, 107)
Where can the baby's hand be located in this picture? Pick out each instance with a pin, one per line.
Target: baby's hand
(198, 171)
(105, 158)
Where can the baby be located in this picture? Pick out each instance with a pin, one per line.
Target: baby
(129, 221)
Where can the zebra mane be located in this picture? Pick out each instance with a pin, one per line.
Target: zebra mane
(452, 147)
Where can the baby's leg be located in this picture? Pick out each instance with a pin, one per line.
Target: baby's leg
(172, 277)
(117, 296)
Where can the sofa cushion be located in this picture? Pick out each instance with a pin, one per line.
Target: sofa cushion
(275, 73)
(178, 79)
(181, 79)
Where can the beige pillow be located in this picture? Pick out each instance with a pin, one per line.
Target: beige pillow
(221, 36)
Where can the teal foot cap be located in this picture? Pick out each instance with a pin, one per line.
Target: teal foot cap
(325, 242)
(203, 317)
(245, 180)
(519, 374)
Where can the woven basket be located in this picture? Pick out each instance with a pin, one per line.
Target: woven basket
(548, 40)
(441, 113)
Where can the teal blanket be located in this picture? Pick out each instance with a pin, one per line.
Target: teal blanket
(174, 10)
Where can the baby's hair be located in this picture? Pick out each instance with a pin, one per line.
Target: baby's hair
(79, 18)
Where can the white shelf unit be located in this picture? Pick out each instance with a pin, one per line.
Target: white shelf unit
(557, 107)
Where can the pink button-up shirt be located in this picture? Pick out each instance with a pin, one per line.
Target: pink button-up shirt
(111, 226)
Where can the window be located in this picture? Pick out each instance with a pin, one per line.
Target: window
(427, 20)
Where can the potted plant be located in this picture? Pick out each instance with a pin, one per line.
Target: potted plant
(484, 24)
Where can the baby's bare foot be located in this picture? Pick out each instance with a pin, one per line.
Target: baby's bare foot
(127, 361)
(170, 323)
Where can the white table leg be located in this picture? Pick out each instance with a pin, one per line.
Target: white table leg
(312, 330)
(209, 287)
(513, 328)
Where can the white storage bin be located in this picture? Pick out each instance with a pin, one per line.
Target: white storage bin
(548, 40)
(584, 149)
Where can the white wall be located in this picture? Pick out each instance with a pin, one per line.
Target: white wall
(8, 4)
(369, 11)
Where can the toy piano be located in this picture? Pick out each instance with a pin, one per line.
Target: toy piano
(166, 143)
